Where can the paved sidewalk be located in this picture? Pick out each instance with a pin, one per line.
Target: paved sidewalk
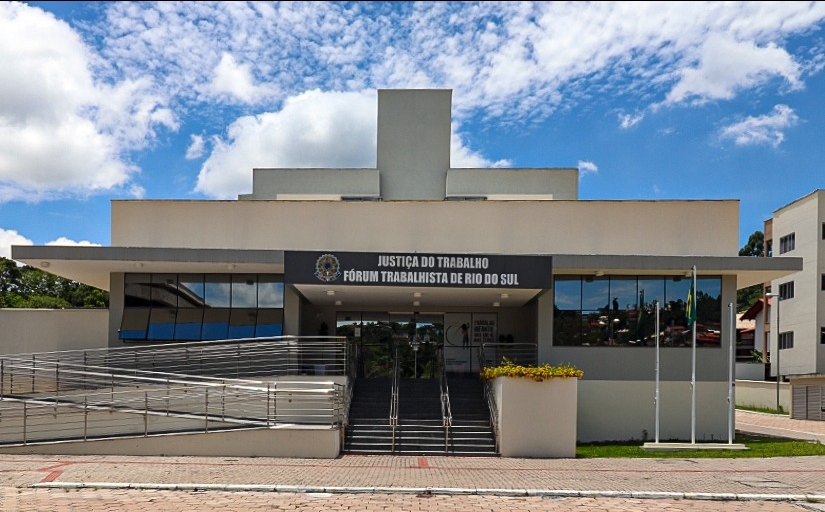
(352, 482)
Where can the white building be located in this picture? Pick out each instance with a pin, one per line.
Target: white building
(512, 253)
(797, 322)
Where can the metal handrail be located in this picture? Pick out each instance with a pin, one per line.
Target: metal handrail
(491, 354)
(59, 395)
(188, 408)
(238, 358)
(446, 411)
(490, 397)
(394, 399)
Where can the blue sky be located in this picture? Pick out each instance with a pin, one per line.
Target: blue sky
(102, 101)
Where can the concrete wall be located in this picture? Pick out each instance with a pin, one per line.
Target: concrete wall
(491, 227)
(760, 393)
(281, 442)
(606, 413)
(536, 419)
(49, 330)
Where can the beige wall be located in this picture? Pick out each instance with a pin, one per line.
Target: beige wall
(760, 393)
(299, 442)
(536, 419)
(48, 330)
(621, 410)
(494, 227)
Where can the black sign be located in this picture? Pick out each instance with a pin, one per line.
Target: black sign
(415, 269)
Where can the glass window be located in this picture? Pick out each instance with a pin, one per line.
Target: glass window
(786, 290)
(620, 310)
(215, 324)
(785, 340)
(242, 322)
(568, 293)
(192, 307)
(244, 291)
(137, 290)
(134, 324)
(161, 324)
(190, 291)
(787, 243)
(188, 324)
(270, 323)
(595, 293)
(822, 335)
(165, 290)
(270, 291)
(217, 291)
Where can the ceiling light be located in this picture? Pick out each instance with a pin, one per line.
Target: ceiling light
(45, 264)
(337, 302)
(496, 304)
(416, 303)
(599, 273)
(416, 294)
(505, 295)
(330, 292)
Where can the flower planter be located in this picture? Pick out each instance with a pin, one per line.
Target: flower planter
(536, 419)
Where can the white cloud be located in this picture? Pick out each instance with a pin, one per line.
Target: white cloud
(236, 80)
(627, 121)
(196, 148)
(462, 156)
(727, 66)
(586, 168)
(67, 241)
(63, 130)
(766, 129)
(9, 237)
(314, 129)
(71, 114)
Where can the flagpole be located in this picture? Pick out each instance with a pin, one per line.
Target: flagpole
(731, 398)
(693, 369)
(656, 396)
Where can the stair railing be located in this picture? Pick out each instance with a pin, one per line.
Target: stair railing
(489, 395)
(446, 412)
(394, 399)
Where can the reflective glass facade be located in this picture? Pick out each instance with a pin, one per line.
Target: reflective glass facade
(620, 311)
(194, 307)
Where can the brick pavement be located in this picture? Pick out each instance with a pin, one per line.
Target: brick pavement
(377, 483)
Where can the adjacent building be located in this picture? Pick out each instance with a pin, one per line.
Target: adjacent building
(797, 317)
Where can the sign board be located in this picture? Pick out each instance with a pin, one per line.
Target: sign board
(418, 269)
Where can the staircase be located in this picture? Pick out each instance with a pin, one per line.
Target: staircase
(420, 429)
(471, 432)
(368, 429)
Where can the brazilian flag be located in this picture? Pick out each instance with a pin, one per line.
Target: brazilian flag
(642, 318)
(690, 309)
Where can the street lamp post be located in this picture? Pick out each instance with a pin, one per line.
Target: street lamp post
(415, 344)
(778, 374)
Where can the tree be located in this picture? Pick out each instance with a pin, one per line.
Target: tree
(29, 287)
(747, 297)
(755, 245)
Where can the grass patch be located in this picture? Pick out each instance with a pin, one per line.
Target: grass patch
(767, 410)
(758, 447)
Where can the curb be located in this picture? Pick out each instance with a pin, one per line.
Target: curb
(441, 491)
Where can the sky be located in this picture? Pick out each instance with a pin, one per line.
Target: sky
(103, 101)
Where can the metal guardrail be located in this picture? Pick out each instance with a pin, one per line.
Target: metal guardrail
(446, 412)
(394, 399)
(490, 397)
(55, 396)
(239, 358)
(491, 354)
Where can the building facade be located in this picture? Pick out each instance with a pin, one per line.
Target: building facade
(797, 313)
(417, 248)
